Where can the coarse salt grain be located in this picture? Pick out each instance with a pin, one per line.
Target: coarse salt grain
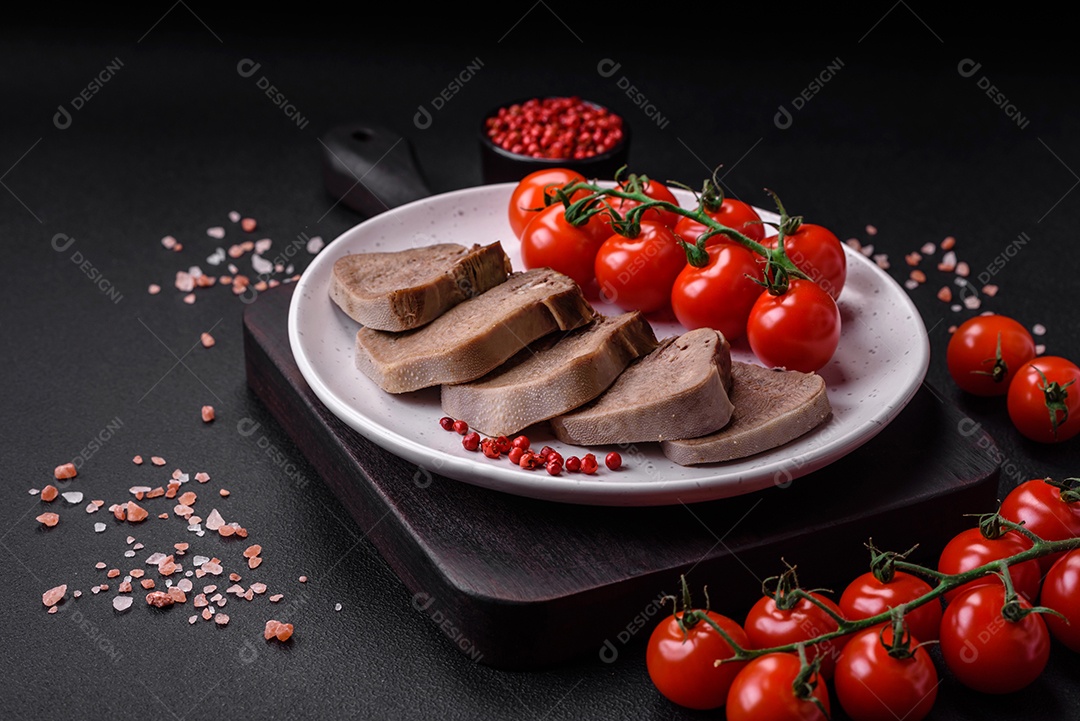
(216, 232)
(912, 258)
(248, 224)
(73, 497)
(51, 519)
(276, 597)
(207, 340)
(945, 294)
(928, 249)
(990, 290)
(223, 493)
(49, 493)
(1038, 329)
(214, 521)
(157, 460)
(202, 477)
(972, 302)
(948, 243)
(1040, 349)
(261, 265)
(871, 230)
(153, 289)
(315, 244)
(122, 603)
(963, 269)
(207, 414)
(65, 471)
(189, 298)
(54, 595)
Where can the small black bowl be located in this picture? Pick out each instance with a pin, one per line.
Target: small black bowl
(499, 165)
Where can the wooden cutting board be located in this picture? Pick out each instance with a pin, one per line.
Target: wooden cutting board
(519, 583)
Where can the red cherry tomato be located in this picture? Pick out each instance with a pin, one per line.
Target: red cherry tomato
(655, 190)
(720, 294)
(764, 691)
(527, 199)
(798, 330)
(1061, 593)
(549, 241)
(816, 251)
(1044, 399)
(985, 352)
(987, 652)
(682, 666)
(1039, 506)
(732, 213)
(872, 685)
(767, 626)
(970, 549)
(866, 597)
(638, 273)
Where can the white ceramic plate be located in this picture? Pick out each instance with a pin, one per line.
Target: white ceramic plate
(882, 359)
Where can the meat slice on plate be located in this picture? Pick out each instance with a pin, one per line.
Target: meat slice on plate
(555, 375)
(475, 336)
(772, 408)
(406, 289)
(677, 391)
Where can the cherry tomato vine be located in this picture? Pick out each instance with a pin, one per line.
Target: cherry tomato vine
(881, 647)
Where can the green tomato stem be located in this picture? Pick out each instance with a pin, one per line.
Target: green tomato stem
(946, 583)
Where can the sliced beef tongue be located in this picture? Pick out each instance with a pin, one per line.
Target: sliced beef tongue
(553, 376)
(475, 336)
(677, 391)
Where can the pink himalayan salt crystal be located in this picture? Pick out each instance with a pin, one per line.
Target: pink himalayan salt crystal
(54, 595)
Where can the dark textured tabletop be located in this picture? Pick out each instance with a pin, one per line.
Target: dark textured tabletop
(901, 130)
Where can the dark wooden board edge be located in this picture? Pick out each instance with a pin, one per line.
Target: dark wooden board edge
(506, 632)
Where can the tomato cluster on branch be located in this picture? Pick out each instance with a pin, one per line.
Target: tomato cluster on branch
(986, 603)
(713, 265)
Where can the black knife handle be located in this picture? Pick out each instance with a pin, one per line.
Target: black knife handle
(371, 169)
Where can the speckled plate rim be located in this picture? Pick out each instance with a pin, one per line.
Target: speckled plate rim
(648, 479)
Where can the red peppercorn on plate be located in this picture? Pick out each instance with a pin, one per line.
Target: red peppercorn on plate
(879, 365)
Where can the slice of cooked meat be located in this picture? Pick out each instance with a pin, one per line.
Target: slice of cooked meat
(772, 407)
(402, 290)
(552, 376)
(677, 391)
(475, 336)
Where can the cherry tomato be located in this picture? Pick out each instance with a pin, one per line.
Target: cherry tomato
(549, 241)
(527, 199)
(1039, 506)
(816, 251)
(970, 549)
(638, 273)
(798, 330)
(872, 685)
(985, 352)
(1044, 399)
(732, 213)
(720, 294)
(764, 691)
(985, 651)
(1061, 593)
(682, 666)
(866, 597)
(655, 190)
(767, 626)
